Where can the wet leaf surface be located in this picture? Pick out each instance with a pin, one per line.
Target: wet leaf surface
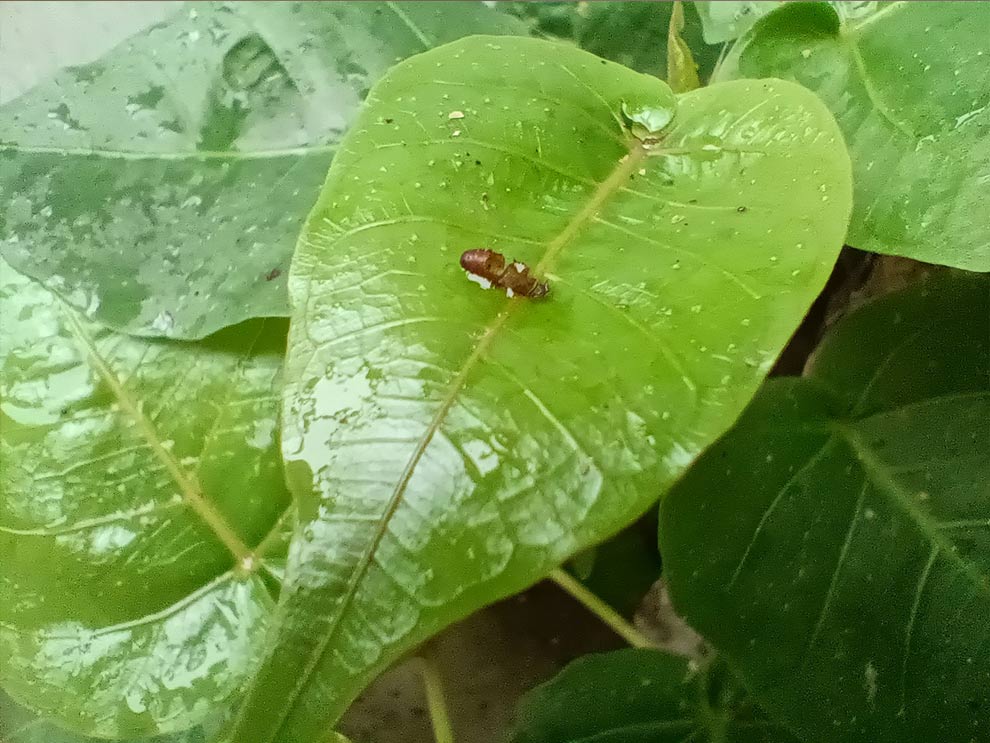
(448, 446)
(910, 86)
(843, 526)
(139, 481)
(160, 190)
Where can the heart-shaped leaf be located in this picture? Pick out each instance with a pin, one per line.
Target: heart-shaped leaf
(642, 696)
(910, 86)
(160, 190)
(448, 446)
(842, 528)
(137, 478)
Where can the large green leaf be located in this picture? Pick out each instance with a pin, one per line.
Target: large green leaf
(137, 478)
(835, 545)
(448, 446)
(910, 86)
(642, 696)
(160, 189)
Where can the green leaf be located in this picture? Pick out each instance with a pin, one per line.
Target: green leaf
(448, 446)
(642, 696)
(160, 190)
(725, 20)
(910, 86)
(843, 527)
(137, 478)
(682, 71)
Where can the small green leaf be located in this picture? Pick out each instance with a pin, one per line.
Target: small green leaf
(910, 86)
(160, 189)
(834, 545)
(449, 446)
(682, 72)
(137, 478)
(642, 696)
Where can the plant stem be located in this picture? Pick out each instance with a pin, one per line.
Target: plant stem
(602, 610)
(443, 732)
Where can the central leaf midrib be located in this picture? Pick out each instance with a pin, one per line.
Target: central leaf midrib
(190, 491)
(878, 474)
(605, 190)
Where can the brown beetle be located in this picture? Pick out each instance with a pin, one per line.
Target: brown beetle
(488, 268)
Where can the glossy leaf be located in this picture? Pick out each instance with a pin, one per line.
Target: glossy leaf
(137, 477)
(448, 446)
(843, 527)
(910, 86)
(160, 190)
(642, 696)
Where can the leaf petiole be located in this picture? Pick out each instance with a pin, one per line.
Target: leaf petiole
(599, 608)
(436, 703)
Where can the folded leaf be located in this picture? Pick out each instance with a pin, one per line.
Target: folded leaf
(447, 445)
(138, 477)
(910, 86)
(834, 545)
(160, 189)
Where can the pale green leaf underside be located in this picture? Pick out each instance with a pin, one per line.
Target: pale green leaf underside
(642, 696)
(137, 477)
(449, 446)
(160, 190)
(910, 87)
(859, 500)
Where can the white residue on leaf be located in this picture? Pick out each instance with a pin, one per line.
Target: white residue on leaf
(163, 322)
(679, 457)
(480, 281)
(263, 434)
(870, 682)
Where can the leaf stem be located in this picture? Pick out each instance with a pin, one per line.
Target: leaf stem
(600, 609)
(436, 703)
